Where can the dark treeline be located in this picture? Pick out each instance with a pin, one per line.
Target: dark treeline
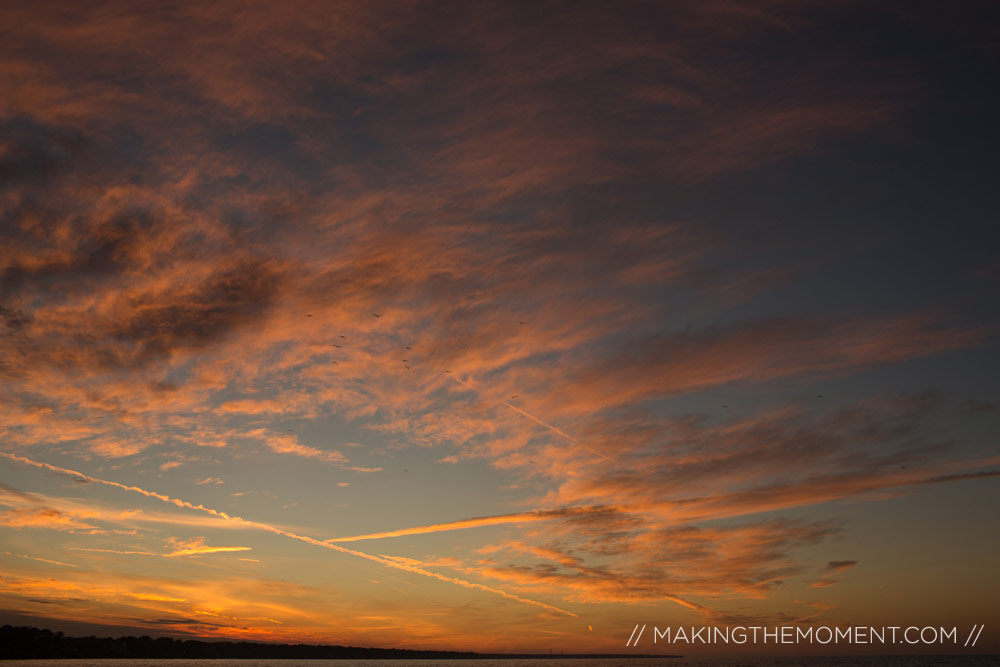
(26, 643)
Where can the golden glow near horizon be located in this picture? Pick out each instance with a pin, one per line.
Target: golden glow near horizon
(387, 326)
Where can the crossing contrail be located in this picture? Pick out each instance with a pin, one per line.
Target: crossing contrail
(278, 531)
(520, 517)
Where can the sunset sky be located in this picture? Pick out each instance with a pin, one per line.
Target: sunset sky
(498, 326)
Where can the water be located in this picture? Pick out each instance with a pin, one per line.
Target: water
(852, 661)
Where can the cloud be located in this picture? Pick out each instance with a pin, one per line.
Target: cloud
(197, 547)
(283, 445)
(522, 517)
(721, 561)
(832, 569)
(17, 495)
(838, 566)
(751, 352)
(42, 518)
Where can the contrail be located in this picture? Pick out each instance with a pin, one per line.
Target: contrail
(116, 551)
(520, 517)
(41, 560)
(538, 421)
(195, 551)
(136, 489)
(278, 531)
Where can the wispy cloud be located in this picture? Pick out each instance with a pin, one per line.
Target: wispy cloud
(832, 569)
(197, 547)
(42, 518)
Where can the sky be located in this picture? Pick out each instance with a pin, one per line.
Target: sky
(498, 326)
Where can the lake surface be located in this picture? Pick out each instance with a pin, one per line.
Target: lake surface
(853, 661)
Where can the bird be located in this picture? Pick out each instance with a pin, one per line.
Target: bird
(408, 347)
(405, 470)
(334, 362)
(725, 406)
(407, 367)
(309, 315)
(448, 372)
(520, 322)
(406, 361)
(820, 396)
(341, 335)
(514, 395)
(335, 345)
(376, 315)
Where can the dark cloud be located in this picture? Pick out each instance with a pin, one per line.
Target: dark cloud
(20, 494)
(667, 458)
(205, 313)
(181, 621)
(985, 474)
(33, 152)
(979, 406)
(105, 251)
(745, 560)
(841, 565)
(757, 351)
(14, 318)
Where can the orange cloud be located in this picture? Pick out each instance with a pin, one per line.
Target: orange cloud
(521, 517)
(42, 518)
(197, 547)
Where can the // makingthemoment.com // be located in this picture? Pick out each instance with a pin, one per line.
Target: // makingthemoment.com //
(797, 634)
